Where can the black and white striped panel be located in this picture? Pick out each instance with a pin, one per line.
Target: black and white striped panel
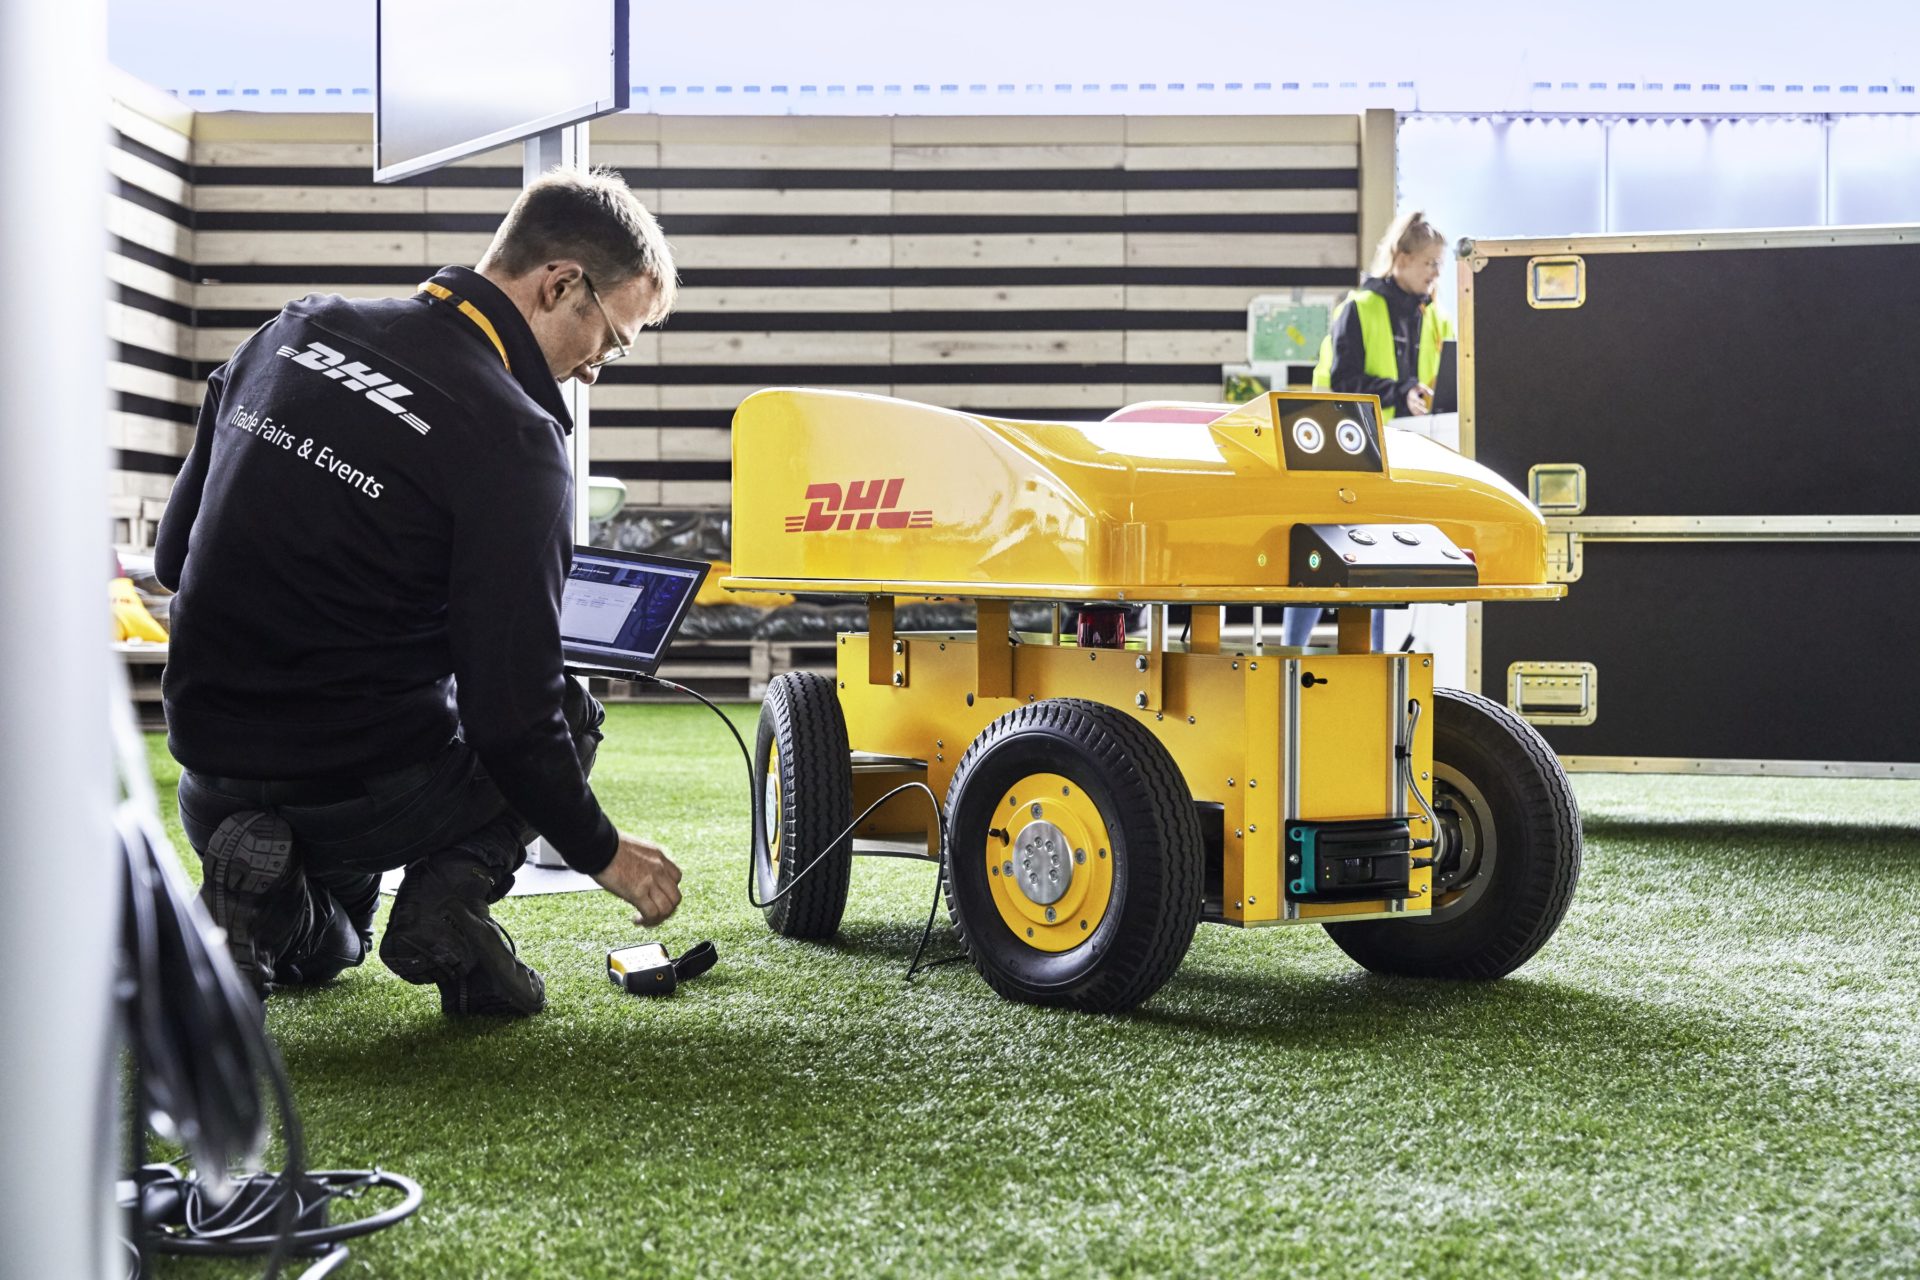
(1021, 266)
(150, 374)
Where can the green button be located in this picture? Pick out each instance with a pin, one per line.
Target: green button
(1313, 559)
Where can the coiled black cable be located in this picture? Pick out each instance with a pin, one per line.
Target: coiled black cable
(200, 1050)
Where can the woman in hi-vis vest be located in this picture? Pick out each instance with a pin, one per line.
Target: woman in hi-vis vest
(1386, 342)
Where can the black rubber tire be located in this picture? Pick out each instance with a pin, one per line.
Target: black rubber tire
(1157, 851)
(803, 733)
(1536, 827)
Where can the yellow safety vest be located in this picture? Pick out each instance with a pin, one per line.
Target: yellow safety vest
(1376, 335)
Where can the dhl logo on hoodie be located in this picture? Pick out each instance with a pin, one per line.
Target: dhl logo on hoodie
(379, 388)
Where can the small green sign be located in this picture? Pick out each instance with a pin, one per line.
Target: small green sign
(1313, 559)
(1286, 328)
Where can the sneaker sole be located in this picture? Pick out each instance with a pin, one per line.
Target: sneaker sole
(244, 864)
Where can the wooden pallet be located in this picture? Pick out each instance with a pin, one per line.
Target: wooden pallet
(724, 670)
(144, 663)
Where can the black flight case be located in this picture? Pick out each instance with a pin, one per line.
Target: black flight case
(1723, 431)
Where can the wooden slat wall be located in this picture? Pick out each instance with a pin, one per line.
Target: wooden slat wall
(150, 374)
(1024, 266)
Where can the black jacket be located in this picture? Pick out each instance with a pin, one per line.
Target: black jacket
(1350, 375)
(375, 514)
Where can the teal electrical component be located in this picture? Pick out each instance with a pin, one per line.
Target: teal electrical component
(1302, 847)
(1333, 861)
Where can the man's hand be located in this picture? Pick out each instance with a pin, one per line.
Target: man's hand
(1420, 399)
(644, 877)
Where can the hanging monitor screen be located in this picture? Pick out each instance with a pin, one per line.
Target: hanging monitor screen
(454, 78)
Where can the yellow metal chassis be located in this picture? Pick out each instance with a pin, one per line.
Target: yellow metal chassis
(1247, 728)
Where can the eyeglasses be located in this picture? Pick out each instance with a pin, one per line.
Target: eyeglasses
(619, 351)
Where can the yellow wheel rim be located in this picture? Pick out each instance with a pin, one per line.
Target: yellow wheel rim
(1049, 862)
(775, 811)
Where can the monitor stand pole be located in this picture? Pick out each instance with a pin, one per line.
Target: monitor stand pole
(545, 151)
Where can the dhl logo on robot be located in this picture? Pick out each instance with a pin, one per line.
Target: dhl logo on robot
(862, 504)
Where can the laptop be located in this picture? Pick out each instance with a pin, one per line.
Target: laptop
(621, 609)
(1446, 383)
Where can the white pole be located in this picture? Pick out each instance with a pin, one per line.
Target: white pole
(59, 913)
(543, 151)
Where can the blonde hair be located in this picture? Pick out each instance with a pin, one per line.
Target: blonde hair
(1408, 233)
(591, 217)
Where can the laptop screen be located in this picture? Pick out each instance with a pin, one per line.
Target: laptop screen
(621, 609)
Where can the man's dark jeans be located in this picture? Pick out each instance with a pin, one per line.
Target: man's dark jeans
(347, 832)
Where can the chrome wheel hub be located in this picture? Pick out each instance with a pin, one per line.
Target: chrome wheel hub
(1042, 862)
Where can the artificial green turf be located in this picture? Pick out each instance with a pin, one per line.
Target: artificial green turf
(1713, 1069)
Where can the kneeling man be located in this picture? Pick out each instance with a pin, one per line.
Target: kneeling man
(369, 542)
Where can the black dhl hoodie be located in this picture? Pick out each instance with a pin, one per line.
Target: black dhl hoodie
(369, 541)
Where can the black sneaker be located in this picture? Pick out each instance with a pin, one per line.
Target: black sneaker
(332, 945)
(253, 889)
(508, 990)
(440, 932)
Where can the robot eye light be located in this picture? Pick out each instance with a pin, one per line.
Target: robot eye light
(1309, 429)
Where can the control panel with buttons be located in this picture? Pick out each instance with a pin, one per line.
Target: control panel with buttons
(1377, 555)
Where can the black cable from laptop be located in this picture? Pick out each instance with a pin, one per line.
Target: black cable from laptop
(199, 1050)
(939, 881)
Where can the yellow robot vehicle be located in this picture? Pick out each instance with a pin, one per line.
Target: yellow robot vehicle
(1107, 791)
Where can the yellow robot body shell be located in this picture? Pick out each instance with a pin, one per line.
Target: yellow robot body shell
(843, 492)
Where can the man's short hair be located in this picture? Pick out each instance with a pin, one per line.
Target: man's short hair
(592, 218)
